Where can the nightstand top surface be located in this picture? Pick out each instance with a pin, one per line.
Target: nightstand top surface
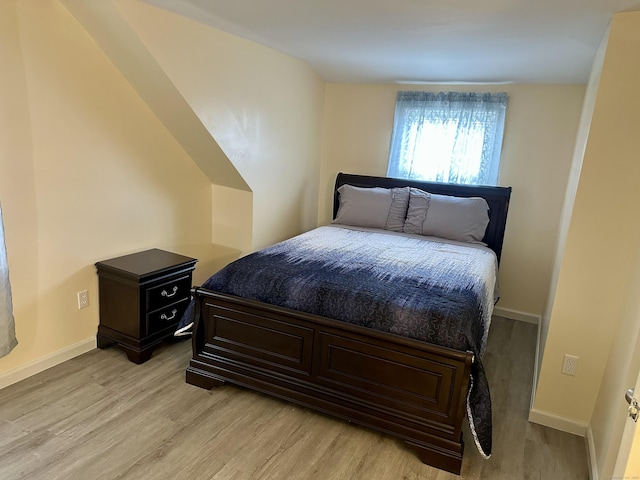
(146, 263)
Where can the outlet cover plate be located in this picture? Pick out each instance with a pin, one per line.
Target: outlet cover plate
(83, 299)
(570, 365)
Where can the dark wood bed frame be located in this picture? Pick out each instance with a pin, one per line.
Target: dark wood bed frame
(412, 390)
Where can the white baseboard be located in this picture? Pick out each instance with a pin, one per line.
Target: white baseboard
(591, 458)
(48, 361)
(569, 425)
(517, 315)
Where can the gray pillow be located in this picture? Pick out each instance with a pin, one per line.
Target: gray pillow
(417, 211)
(364, 207)
(455, 218)
(398, 209)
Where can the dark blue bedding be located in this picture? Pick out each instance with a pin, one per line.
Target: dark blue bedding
(441, 293)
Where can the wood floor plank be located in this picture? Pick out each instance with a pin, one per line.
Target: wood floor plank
(101, 417)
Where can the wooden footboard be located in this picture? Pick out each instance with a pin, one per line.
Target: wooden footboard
(406, 388)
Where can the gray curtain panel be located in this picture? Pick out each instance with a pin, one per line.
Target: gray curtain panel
(451, 137)
(7, 326)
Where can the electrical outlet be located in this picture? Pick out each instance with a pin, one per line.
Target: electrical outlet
(83, 299)
(570, 365)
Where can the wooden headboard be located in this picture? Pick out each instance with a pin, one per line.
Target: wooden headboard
(496, 197)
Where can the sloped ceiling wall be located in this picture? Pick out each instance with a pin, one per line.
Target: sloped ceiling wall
(250, 117)
(116, 38)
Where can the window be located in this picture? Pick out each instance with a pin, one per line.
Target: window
(448, 137)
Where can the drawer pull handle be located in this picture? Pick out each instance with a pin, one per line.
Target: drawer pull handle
(173, 315)
(164, 293)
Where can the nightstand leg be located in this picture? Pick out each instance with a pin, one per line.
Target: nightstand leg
(137, 357)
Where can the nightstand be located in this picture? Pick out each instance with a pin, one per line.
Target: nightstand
(142, 298)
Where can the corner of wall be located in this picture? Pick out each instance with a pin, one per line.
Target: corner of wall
(232, 217)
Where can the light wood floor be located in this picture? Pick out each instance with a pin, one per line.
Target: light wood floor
(99, 416)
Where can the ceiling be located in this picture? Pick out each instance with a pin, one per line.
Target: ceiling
(422, 41)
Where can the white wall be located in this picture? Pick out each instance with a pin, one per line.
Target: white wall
(595, 314)
(572, 186)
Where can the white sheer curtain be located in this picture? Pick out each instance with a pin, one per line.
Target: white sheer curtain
(7, 326)
(453, 137)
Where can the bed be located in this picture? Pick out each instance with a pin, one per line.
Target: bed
(380, 365)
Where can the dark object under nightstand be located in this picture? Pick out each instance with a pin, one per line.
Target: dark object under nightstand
(142, 298)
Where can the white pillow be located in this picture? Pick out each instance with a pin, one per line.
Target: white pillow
(455, 218)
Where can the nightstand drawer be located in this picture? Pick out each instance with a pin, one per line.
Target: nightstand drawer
(166, 317)
(169, 292)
